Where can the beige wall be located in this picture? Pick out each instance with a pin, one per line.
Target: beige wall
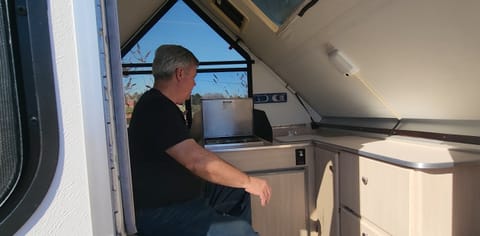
(291, 112)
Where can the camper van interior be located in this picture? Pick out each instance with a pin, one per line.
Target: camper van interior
(363, 116)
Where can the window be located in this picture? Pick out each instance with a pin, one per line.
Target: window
(224, 70)
(279, 14)
(278, 11)
(29, 143)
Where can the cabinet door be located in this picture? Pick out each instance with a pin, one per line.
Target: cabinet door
(377, 191)
(324, 213)
(351, 225)
(285, 215)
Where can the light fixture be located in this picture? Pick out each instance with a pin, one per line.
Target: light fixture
(342, 63)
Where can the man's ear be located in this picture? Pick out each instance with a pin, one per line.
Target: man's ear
(179, 73)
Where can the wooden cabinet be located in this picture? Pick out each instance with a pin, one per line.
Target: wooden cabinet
(376, 191)
(335, 192)
(325, 213)
(378, 198)
(354, 226)
(286, 213)
(288, 171)
(447, 201)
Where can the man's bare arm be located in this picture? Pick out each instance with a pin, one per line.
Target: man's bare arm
(208, 166)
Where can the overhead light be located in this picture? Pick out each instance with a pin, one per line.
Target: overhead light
(342, 63)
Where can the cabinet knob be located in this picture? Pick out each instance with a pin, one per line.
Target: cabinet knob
(364, 181)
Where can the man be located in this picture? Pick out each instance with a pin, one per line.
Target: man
(169, 167)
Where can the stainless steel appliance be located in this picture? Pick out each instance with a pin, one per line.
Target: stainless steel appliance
(224, 118)
(228, 122)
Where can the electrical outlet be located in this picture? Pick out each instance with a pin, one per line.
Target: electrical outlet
(269, 98)
(300, 156)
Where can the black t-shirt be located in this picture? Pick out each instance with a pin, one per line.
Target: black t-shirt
(158, 180)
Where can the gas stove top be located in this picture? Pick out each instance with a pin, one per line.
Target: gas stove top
(234, 141)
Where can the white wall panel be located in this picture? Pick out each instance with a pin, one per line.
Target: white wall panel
(79, 199)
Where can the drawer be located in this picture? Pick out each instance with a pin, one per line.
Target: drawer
(377, 191)
(351, 225)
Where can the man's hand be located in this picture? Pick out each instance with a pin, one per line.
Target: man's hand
(259, 187)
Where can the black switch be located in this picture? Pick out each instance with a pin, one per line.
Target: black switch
(300, 156)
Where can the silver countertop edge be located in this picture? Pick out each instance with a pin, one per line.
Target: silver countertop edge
(258, 147)
(395, 161)
(374, 156)
(413, 165)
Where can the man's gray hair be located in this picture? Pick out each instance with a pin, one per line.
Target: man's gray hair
(168, 58)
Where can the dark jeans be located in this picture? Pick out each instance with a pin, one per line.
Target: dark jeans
(222, 211)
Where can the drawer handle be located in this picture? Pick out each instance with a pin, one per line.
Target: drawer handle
(364, 234)
(364, 180)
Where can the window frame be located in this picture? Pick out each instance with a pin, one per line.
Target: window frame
(233, 44)
(32, 63)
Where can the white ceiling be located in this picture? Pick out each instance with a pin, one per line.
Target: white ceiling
(417, 58)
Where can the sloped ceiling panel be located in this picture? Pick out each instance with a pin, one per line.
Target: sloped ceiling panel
(417, 59)
(299, 56)
(133, 14)
(422, 56)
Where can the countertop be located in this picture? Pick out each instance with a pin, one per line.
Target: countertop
(238, 147)
(417, 154)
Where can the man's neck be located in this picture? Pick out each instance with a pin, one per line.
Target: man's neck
(167, 92)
